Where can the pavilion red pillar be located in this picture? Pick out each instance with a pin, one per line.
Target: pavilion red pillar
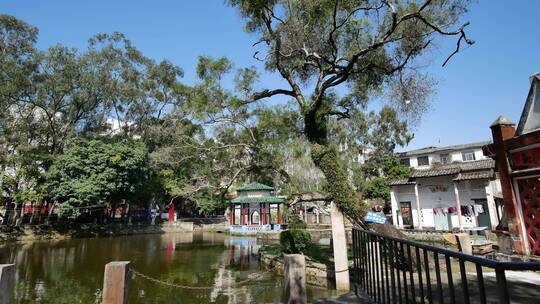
(248, 215)
(278, 216)
(243, 214)
(264, 213)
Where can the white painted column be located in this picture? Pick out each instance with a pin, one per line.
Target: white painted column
(458, 202)
(339, 239)
(418, 210)
(492, 208)
(395, 209)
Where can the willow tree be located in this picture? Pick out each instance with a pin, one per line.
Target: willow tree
(336, 55)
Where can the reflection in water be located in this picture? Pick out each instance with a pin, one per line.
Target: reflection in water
(71, 271)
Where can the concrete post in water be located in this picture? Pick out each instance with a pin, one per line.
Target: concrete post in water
(116, 282)
(7, 278)
(295, 279)
(341, 264)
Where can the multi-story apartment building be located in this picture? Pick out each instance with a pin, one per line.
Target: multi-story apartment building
(449, 187)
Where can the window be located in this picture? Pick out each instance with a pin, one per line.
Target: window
(255, 218)
(468, 156)
(445, 159)
(405, 162)
(423, 161)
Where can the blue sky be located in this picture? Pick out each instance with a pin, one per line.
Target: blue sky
(482, 82)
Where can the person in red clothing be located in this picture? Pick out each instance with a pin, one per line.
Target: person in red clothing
(171, 212)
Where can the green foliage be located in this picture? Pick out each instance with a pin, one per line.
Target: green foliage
(377, 188)
(376, 173)
(94, 172)
(208, 204)
(294, 221)
(294, 240)
(338, 186)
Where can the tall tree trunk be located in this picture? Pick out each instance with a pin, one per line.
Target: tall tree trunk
(326, 158)
(337, 183)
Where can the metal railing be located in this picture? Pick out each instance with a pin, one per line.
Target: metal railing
(392, 270)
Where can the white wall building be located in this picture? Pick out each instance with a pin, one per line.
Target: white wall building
(450, 188)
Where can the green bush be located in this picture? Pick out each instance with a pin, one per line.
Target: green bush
(294, 240)
(295, 222)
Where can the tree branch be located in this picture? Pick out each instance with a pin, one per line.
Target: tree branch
(344, 73)
(282, 70)
(269, 93)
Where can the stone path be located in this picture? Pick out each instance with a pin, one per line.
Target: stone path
(343, 299)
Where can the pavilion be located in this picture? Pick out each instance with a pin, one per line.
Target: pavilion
(256, 208)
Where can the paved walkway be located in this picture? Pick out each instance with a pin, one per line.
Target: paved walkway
(343, 299)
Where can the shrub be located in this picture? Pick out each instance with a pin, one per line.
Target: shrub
(294, 240)
(295, 222)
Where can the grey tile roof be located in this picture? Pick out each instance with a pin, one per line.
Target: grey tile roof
(428, 150)
(447, 170)
(478, 169)
(487, 163)
(454, 168)
(474, 175)
(400, 182)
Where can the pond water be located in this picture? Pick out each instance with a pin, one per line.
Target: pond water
(71, 271)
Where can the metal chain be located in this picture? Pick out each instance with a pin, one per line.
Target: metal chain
(174, 285)
(348, 269)
(330, 270)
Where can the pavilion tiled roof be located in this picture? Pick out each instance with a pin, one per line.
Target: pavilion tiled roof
(254, 186)
(262, 199)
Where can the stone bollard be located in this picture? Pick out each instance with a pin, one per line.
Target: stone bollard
(341, 263)
(295, 279)
(7, 278)
(116, 283)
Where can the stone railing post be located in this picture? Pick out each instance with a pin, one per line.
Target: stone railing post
(295, 279)
(7, 279)
(116, 283)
